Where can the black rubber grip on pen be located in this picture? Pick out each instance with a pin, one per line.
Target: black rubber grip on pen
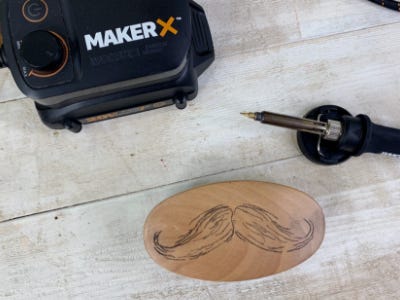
(361, 135)
(381, 139)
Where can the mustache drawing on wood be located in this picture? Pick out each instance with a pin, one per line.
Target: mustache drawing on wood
(219, 225)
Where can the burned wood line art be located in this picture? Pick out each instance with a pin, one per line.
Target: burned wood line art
(219, 225)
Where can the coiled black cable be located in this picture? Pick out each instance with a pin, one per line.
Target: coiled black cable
(392, 4)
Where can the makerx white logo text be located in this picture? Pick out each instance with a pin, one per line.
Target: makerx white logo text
(129, 34)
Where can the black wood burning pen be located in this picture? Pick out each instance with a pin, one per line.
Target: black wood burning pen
(330, 135)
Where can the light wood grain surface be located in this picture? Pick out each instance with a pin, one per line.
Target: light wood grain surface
(72, 207)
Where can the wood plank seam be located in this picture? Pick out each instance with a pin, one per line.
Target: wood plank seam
(144, 190)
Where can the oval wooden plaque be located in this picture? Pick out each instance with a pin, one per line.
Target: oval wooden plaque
(234, 231)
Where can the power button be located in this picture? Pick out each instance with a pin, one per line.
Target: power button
(35, 11)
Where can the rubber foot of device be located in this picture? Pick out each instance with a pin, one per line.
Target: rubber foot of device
(73, 126)
(180, 101)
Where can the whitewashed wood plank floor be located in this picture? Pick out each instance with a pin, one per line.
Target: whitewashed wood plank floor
(72, 207)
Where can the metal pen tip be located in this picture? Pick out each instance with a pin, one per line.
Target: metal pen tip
(249, 115)
(330, 130)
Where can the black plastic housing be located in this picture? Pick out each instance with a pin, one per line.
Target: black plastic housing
(120, 57)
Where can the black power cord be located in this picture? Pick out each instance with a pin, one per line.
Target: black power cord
(3, 63)
(392, 4)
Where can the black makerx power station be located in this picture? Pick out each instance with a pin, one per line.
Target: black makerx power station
(85, 61)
